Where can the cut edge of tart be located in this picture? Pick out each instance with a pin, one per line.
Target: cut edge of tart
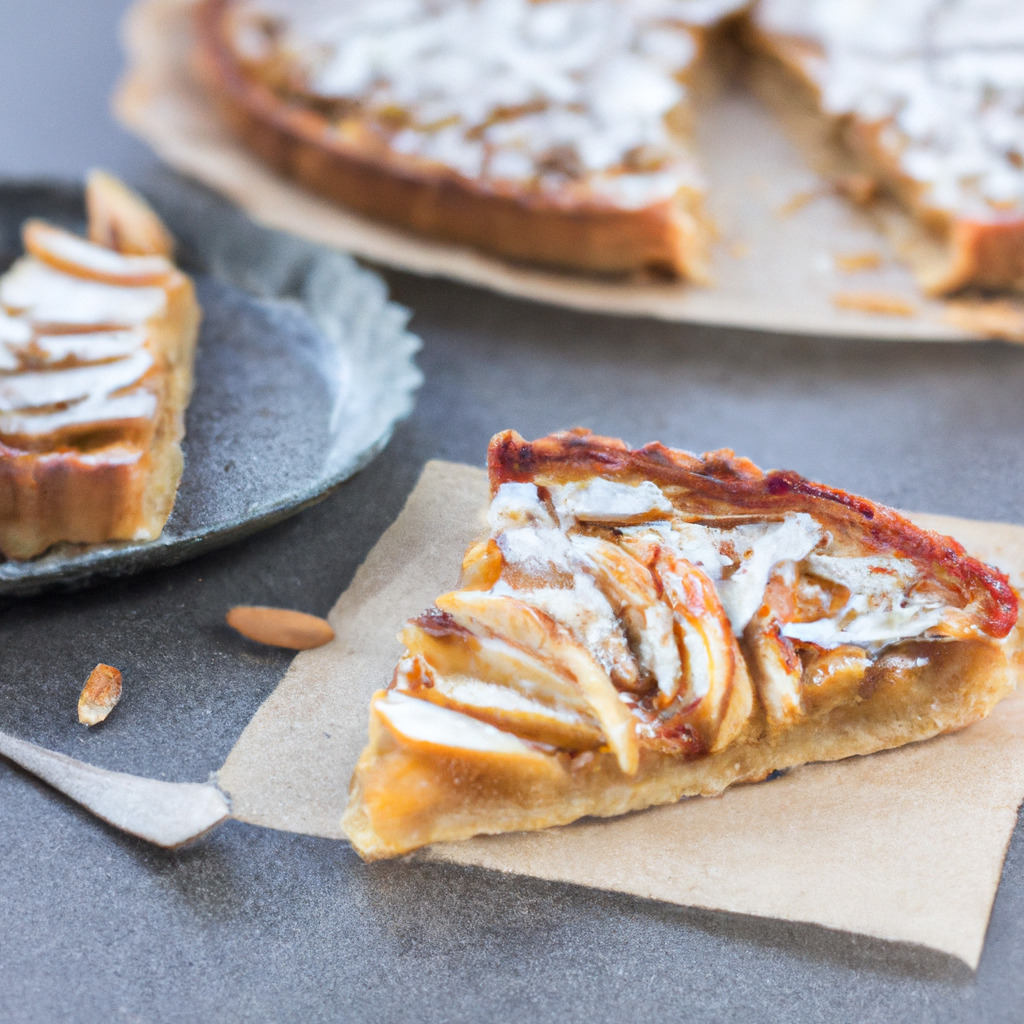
(97, 341)
(956, 235)
(644, 625)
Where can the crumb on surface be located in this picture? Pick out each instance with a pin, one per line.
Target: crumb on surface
(853, 262)
(874, 302)
(1000, 319)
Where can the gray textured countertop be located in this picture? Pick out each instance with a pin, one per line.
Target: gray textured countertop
(253, 925)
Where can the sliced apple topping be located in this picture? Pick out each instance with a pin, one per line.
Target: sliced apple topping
(777, 670)
(885, 603)
(48, 297)
(422, 726)
(548, 569)
(533, 630)
(706, 639)
(120, 220)
(79, 257)
(511, 711)
(832, 677)
(631, 591)
(499, 662)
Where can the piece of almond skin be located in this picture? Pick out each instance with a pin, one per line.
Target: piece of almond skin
(280, 627)
(101, 692)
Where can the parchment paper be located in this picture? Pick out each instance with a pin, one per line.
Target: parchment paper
(905, 845)
(775, 265)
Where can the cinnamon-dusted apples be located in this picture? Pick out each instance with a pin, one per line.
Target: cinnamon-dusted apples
(645, 625)
(97, 338)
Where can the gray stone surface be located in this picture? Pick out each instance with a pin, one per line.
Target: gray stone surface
(253, 925)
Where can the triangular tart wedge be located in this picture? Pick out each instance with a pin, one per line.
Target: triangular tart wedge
(97, 341)
(644, 625)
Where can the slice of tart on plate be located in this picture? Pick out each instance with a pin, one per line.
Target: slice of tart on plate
(643, 625)
(97, 338)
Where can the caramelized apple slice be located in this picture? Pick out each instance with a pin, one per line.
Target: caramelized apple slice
(121, 220)
(502, 707)
(534, 630)
(706, 642)
(78, 257)
(492, 659)
(707, 639)
(630, 589)
(832, 677)
(429, 728)
(777, 669)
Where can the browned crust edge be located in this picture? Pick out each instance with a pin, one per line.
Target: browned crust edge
(720, 481)
(64, 496)
(670, 237)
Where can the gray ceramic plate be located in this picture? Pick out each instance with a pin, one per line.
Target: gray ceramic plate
(303, 370)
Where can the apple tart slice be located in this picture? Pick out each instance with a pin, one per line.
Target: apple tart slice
(97, 338)
(646, 625)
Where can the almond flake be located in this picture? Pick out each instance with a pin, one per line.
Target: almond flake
(280, 627)
(101, 692)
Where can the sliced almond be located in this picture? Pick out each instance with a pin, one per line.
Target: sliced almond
(280, 627)
(101, 692)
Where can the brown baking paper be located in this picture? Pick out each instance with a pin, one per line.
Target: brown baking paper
(775, 265)
(905, 845)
